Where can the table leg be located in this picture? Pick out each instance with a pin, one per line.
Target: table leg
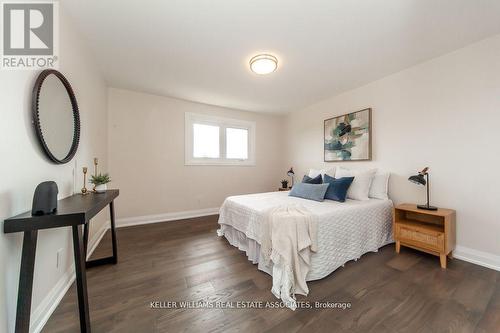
(26, 282)
(86, 228)
(442, 259)
(114, 258)
(81, 279)
(113, 231)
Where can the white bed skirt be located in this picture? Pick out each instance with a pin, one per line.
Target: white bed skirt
(252, 250)
(243, 243)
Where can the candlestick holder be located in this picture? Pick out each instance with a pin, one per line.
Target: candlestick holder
(96, 163)
(84, 188)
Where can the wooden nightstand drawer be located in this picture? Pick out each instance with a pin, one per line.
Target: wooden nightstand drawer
(432, 240)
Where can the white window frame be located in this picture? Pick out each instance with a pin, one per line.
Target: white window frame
(223, 123)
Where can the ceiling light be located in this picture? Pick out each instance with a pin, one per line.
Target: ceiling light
(263, 64)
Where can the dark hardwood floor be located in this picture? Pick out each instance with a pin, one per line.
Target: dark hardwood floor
(186, 261)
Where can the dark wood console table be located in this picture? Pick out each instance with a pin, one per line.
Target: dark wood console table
(73, 212)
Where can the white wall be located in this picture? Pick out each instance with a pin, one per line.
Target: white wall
(146, 145)
(443, 114)
(23, 166)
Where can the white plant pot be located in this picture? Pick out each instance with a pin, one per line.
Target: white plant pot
(101, 188)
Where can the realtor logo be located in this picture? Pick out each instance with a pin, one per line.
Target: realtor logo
(30, 35)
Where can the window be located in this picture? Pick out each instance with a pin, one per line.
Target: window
(219, 141)
(205, 141)
(236, 143)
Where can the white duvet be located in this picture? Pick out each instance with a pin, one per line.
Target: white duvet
(346, 230)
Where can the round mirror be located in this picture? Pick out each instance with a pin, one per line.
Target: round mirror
(55, 116)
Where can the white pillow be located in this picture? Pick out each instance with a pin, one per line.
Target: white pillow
(360, 186)
(380, 186)
(313, 173)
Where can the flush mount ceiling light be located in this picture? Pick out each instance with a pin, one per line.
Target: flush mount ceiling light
(263, 64)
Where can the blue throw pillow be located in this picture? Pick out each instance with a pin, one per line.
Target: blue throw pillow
(314, 192)
(338, 187)
(315, 180)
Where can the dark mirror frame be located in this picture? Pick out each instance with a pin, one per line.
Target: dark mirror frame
(36, 118)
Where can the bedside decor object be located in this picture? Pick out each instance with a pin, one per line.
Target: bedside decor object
(290, 173)
(420, 180)
(100, 182)
(55, 116)
(348, 137)
(84, 188)
(45, 199)
(284, 184)
(96, 162)
(429, 231)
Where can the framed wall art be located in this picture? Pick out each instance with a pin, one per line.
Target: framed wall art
(348, 137)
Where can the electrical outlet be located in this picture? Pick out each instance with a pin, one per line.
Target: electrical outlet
(59, 257)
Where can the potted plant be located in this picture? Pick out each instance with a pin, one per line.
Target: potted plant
(284, 183)
(100, 182)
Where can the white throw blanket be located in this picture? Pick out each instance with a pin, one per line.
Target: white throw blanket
(289, 235)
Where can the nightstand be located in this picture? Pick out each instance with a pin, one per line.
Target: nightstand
(284, 189)
(425, 230)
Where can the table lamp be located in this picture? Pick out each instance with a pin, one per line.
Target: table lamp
(290, 174)
(420, 180)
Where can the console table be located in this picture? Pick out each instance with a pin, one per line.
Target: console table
(73, 212)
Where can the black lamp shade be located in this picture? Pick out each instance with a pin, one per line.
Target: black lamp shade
(418, 179)
(423, 179)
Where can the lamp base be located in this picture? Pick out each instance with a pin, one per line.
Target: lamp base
(426, 207)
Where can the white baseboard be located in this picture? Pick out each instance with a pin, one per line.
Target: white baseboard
(477, 257)
(138, 220)
(42, 313)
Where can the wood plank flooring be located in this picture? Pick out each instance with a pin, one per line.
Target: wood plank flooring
(186, 261)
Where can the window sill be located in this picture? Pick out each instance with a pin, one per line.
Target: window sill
(220, 163)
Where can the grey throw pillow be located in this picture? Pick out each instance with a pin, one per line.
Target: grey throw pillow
(314, 192)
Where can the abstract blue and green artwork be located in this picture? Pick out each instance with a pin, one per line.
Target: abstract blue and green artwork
(348, 137)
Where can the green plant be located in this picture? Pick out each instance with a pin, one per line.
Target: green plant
(100, 179)
(284, 183)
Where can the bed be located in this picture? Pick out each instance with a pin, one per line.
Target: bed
(346, 230)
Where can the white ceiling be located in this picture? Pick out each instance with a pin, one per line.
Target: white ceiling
(199, 49)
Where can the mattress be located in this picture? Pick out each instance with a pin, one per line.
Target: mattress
(346, 230)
